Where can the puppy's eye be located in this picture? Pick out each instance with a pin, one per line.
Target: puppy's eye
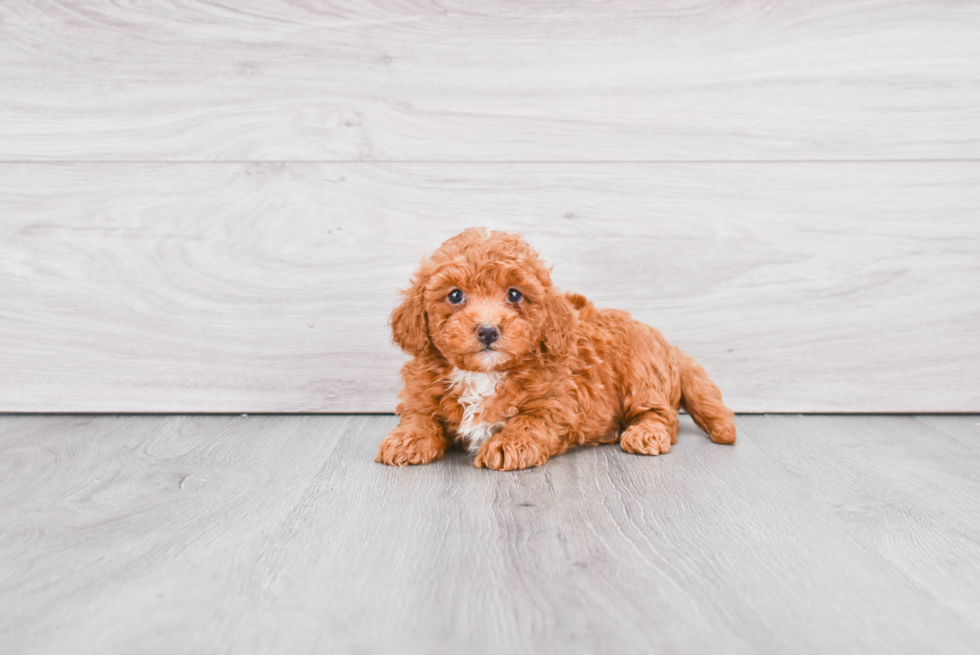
(455, 296)
(513, 295)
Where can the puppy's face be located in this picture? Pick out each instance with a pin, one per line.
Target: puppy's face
(484, 301)
(484, 315)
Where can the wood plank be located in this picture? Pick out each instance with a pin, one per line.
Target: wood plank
(266, 288)
(908, 492)
(472, 80)
(280, 534)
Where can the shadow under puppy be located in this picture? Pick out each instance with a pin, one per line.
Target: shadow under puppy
(517, 371)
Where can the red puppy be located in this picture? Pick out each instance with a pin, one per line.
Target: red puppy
(506, 364)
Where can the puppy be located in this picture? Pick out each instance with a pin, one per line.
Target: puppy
(518, 372)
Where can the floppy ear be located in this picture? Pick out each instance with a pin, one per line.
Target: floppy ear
(409, 324)
(559, 333)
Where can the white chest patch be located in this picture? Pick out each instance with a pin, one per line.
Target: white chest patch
(472, 388)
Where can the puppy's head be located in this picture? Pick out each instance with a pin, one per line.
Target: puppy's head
(485, 301)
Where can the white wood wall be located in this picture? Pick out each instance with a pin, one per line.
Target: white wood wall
(209, 206)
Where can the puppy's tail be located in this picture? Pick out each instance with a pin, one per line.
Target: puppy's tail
(702, 400)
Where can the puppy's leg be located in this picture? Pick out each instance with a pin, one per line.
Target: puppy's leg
(524, 442)
(651, 433)
(702, 400)
(418, 439)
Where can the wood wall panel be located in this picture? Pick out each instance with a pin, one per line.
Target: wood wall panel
(479, 80)
(260, 287)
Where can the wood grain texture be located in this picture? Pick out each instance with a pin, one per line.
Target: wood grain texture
(266, 288)
(280, 534)
(478, 80)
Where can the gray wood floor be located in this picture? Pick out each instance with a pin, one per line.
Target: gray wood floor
(268, 534)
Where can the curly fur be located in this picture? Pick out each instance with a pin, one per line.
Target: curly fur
(561, 374)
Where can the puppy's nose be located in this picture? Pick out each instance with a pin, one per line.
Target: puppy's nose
(487, 334)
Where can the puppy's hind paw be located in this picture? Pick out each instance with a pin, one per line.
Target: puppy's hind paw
(646, 439)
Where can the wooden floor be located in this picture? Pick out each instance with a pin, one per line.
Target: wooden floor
(279, 534)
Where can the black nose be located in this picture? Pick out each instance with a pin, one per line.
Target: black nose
(487, 334)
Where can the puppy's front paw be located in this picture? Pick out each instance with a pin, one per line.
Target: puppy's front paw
(646, 439)
(506, 453)
(402, 447)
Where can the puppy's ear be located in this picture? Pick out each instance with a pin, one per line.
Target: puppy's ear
(559, 332)
(409, 325)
